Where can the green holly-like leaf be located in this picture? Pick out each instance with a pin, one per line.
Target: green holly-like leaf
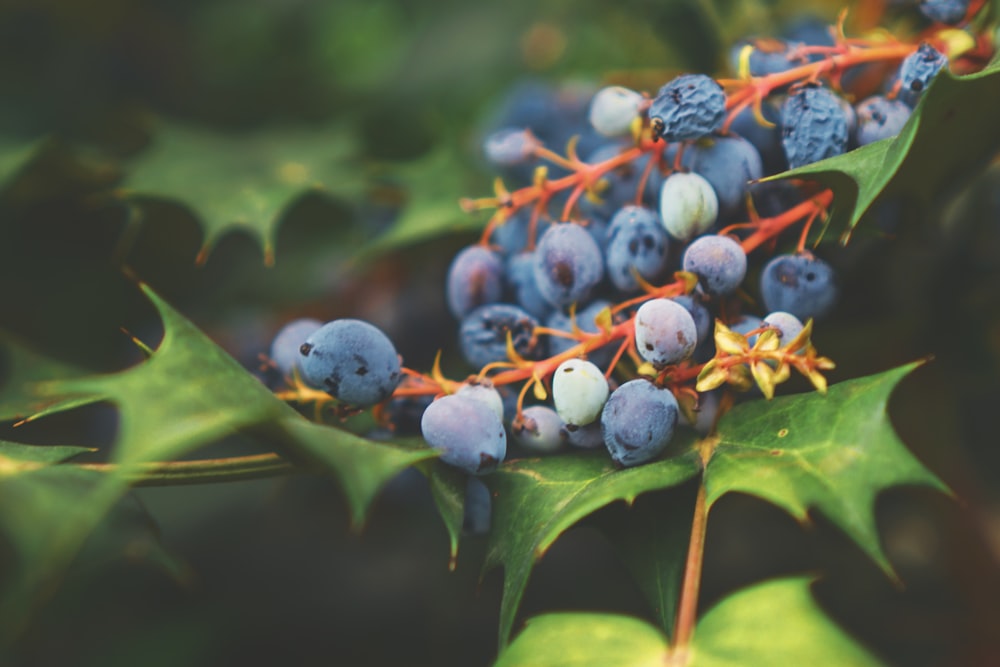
(536, 500)
(431, 209)
(448, 490)
(741, 631)
(243, 181)
(834, 453)
(951, 133)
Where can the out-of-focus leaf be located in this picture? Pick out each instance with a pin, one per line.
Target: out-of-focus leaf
(951, 134)
(536, 500)
(740, 631)
(14, 155)
(834, 453)
(586, 640)
(773, 623)
(16, 457)
(20, 367)
(247, 180)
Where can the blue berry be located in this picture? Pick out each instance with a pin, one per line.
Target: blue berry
(814, 126)
(880, 118)
(728, 164)
(478, 507)
(511, 236)
(467, 432)
(665, 332)
(352, 360)
(950, 12)
(917, 71)
(585, 437)
(286, 344)
(540, 429)
(767, 56)
(788, 325)
(483, 334)
(484, 392)
(688, 205)
(475, 278)
(802, 285)
(568, 264)
(718, 261)
(521, 278)
(637, 244)
(689, 107)
(614, 109)
(638, 422)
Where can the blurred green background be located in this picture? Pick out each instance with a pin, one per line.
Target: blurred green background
(268, 572)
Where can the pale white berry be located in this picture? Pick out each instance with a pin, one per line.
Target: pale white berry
(688, 205)
(579, 391)
(614, 109)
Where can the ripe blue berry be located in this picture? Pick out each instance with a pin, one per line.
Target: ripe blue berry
(521, 279)
(814, 126)
(665, 332)
(767, 56)
(475, 278)
(718, 261)
(614, 109)
(352, 360)
(483, 334)
(568, 264)
(699, 313)
(467, 432)
(788, 325)
(688, 205)
(285, 346)
(638, 422)
(637, 244)
(802, 285)
(765, 138)
(880, 118)
(688, 107)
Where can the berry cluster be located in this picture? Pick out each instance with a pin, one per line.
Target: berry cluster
(597, 278)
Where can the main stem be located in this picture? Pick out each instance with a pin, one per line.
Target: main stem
(688, 605)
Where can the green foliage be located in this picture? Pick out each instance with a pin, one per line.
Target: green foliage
(774, 623)
(833, 452)
(245, 180)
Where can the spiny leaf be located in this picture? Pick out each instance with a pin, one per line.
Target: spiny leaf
(833, 452)
(243, 181)
(536, 500)
(448, 490)
(951, 133)
(738, 632)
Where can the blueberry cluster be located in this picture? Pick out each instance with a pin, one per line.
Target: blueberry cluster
(595, 301)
